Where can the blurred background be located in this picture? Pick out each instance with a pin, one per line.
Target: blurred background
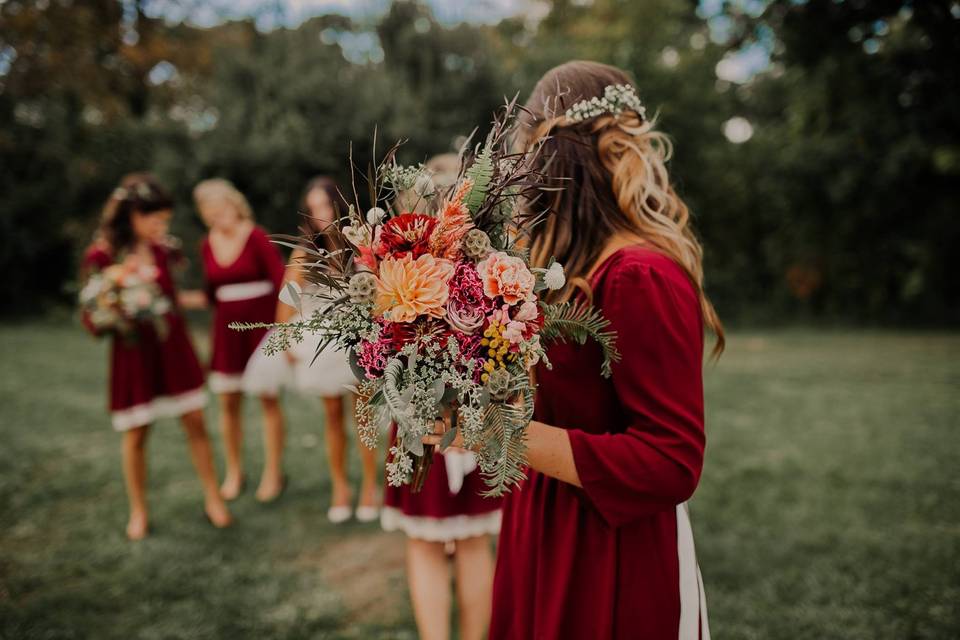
(817, 144)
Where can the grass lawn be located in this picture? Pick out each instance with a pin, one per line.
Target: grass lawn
(829, 505)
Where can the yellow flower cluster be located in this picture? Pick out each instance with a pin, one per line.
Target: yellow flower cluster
(497, 350)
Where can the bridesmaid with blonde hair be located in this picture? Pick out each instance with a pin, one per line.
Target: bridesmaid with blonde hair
(243, 271)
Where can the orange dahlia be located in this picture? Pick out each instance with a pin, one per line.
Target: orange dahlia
(408, 288)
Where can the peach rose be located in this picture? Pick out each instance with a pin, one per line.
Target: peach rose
(409, 288)
(507, 276)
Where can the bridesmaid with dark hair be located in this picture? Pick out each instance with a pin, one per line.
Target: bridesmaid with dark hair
(325, 375)
(153, 374)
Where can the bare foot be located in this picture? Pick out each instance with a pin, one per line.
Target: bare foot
(232, 486)
(368, 496)
(270, 487)
(217, 512)
(137, 526)
(342, 495)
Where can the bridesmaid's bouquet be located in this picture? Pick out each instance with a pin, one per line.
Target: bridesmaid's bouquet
(121, 296)
(439, 309)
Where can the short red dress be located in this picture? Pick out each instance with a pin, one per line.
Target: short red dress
(151, 376)
(243, 291)
(449, 507)
(616, 558)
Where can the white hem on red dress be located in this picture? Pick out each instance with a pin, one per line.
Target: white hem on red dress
(159, 407)
(448, 529)
(225, 382)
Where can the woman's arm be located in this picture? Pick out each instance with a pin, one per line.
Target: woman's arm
(550, 453)
(293, 273)
(193, 299)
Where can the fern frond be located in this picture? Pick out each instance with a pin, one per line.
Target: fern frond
(504, 456)
(579, 321)
(480, 174)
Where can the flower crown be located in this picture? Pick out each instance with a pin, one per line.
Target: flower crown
(140, 190)
(616, 99)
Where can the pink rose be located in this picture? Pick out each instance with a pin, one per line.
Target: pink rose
(464, 318)
(506, 276)
(528, 312)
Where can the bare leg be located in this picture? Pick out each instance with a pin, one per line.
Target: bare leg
(368, 484)
(202, 455)
(428, 576)
(336, 437)
(274, 436)
(474, 565)
(231, 405)
(135, 477)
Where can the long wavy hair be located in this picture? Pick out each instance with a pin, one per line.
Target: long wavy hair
(137, 192)
(604, 175)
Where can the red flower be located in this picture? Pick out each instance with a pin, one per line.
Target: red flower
(408, 233)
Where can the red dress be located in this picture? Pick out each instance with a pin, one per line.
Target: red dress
(449, 506)
(243, 291)
(615, 559)
(151, 376)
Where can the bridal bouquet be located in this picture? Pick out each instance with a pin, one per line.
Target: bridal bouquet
(439, 310)
(120, 296)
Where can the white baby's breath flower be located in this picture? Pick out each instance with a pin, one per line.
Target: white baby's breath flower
(376, 215)
(554, 277)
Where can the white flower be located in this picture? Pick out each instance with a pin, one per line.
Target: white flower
(359, 236)
(554, 277)
(424, 186)
(376, 215)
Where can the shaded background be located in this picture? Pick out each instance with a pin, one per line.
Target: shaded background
(817, 143)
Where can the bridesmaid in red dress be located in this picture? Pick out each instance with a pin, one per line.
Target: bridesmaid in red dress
(152, 375)
(244, 273)
(447, 517)
(597, 542)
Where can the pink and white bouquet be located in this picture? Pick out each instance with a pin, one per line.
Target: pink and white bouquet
(439, 310)
(121, 296)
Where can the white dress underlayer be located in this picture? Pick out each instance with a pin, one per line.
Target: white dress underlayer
(326, 376)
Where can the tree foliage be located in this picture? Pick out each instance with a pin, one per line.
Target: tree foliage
(841, 205)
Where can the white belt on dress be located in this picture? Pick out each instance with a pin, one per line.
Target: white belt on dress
(244, 291)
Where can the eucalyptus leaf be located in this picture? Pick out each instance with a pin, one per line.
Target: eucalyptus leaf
(413, 444)
(438, 390)
(448, 438)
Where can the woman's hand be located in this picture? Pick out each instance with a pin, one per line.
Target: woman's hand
(548, 449)
(441, 427)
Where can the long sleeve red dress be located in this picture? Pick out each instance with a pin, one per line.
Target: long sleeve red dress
(615, 559)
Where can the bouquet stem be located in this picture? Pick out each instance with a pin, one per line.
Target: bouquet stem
(421, 467)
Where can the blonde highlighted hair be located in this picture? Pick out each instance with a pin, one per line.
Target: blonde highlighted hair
(605, 176)
(219, 189)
